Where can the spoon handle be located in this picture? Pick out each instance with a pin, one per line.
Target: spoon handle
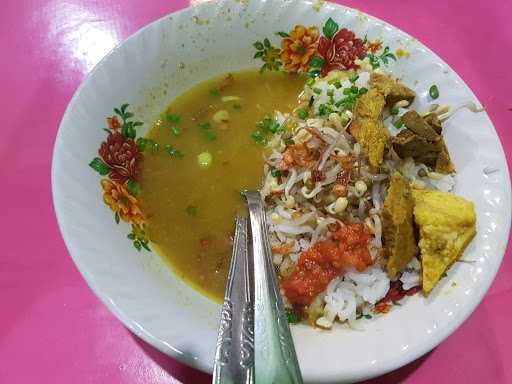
(275, 359)
(234, 356)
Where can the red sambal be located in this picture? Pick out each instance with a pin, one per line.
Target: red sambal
(347, 247)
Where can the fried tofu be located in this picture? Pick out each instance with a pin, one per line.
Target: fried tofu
(398, 227)
(392, 90)
(447, 223)
(368, 128)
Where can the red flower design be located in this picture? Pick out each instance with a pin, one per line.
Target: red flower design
(341, 51)
(122, 156)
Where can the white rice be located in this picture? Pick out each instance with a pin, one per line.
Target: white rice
(411, 277)
(345, 294)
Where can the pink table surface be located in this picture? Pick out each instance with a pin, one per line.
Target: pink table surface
(52, 328)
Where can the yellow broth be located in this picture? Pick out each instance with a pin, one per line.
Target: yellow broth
(191, 210)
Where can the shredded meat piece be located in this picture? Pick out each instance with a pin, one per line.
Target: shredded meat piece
(297, 154)
(282, 249)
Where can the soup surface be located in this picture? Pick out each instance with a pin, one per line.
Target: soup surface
(191, 186)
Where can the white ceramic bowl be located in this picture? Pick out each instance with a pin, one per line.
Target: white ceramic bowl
(167, 57)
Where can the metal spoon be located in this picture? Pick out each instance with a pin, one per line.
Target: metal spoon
(234, 357)
(275, 360)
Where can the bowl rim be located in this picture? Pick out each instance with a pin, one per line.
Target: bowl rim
(194, 362)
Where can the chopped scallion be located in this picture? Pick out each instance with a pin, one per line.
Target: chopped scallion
(191, 210)
(209, 135)
(175, 119)
(292, 316)
(433, 92)
(258, 137)
(173, 152)
(275, 172)
(302, 114)
(175, 131)
(398, 123)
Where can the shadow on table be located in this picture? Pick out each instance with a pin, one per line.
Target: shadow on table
(189, 375)
(172, 366)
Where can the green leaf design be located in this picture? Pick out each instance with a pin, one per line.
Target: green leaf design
(124, 106)
(317, 62)
(283, 34)
(265, 67)
(133, 187)
(258, 45)
(117, 218)
(99, 166)
(314, 73)
(131, 132)
(141, 144)
(117, 111)
(258, 54)
(330, 28)
(137, 245)
(374, 60)
(131, 236)
(107, 130)
(266, 43)
(145, 245)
